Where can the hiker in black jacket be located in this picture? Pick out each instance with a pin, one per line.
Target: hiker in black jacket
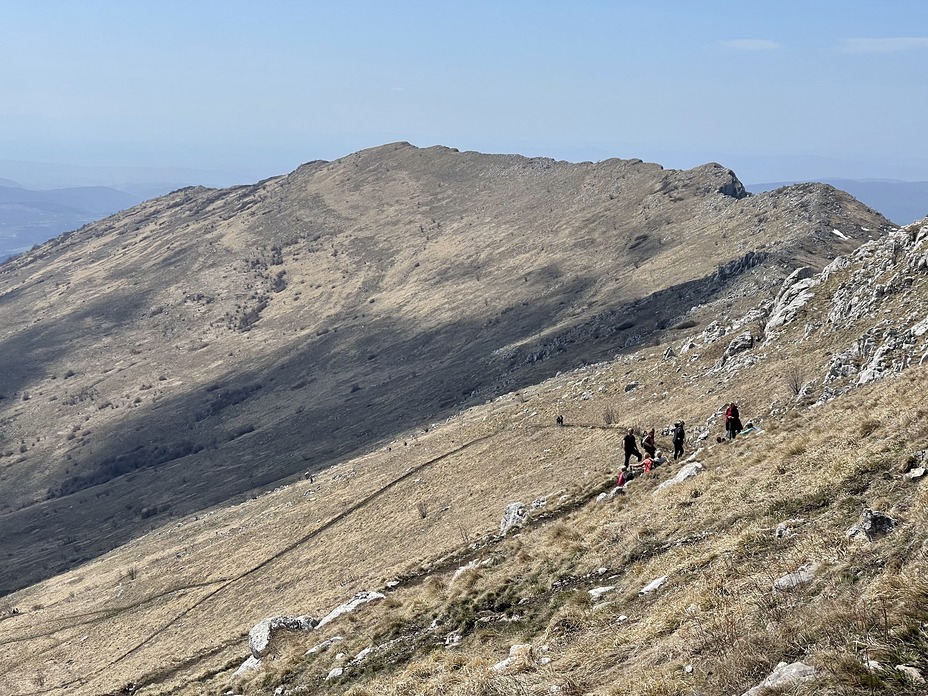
(679, 436)
(628, 443)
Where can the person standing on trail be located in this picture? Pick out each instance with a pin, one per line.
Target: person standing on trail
(679, 436)
(732, 421)
(648, 444)
(630, 447)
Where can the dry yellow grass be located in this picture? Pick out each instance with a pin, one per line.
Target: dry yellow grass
(169, 611)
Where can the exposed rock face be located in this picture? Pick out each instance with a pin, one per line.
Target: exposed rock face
(260, 636)
(791, 298)
(515, 515)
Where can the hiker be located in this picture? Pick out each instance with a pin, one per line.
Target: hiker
(625, 475)
(628, 444)
(732, 421)
(653, 461)
(679, 436)
(559, 420)
(648, 444)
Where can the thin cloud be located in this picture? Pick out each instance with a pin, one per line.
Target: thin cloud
(885, 45)
(751, 45)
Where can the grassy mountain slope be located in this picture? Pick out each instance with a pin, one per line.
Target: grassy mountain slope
(835, 387)
(211, 342)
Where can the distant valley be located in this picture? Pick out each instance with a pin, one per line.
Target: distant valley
(29, 217)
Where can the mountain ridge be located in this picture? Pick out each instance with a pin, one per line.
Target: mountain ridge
(279, 327)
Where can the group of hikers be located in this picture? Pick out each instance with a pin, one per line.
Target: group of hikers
(654, 456)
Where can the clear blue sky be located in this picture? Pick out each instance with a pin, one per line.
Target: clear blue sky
(775, 89)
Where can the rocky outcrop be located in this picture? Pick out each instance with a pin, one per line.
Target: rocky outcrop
(259, 637)
(783, 676)
(872, 525)
(262, 634)
(515, 515)
(793, 296)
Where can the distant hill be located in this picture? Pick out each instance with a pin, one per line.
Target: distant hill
(211, 342)
(901, 201)
(29, 217)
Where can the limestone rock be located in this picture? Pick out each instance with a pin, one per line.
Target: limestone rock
(364, 597)
(783, 676)
(742, 342)
(793, 296)
(916, 473)
(520, 657)
(872, 525)
(687, 471)
(249, 665)
(605, 497)
(654, 585)
(785, 529)
(598, 592)
(361, 656)
(912, 673)
(259, 637)
(515, 515)
(798, 577)
(324, 645)
(463, 569)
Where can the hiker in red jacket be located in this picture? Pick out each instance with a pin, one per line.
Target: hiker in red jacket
(732, 421)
